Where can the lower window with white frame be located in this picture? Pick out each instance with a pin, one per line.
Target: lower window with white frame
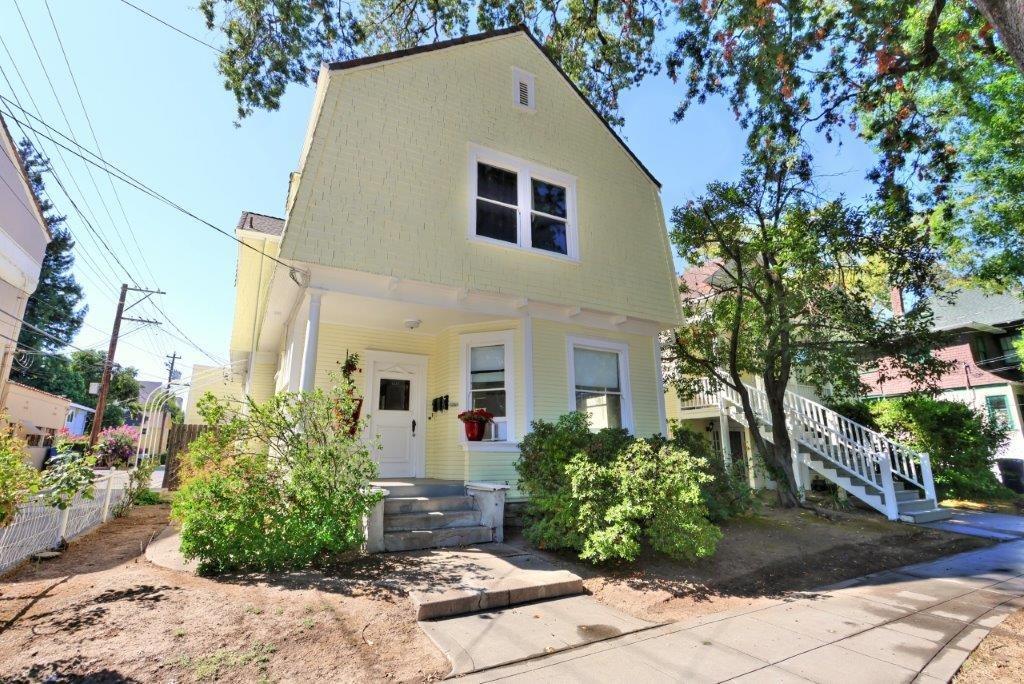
(600, 386)
(487, 363)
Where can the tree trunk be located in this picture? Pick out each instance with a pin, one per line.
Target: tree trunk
(777, 455)
(1008, 18)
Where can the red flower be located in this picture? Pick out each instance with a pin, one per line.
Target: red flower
(476, 416)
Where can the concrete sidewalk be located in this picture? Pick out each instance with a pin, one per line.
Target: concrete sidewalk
(918, 623)
(999, 526)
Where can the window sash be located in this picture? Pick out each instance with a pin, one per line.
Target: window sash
(620, 390)
(526, 174)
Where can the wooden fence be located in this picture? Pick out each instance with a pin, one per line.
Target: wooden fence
(178, 439)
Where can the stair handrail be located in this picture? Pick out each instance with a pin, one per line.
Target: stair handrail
(870, 445)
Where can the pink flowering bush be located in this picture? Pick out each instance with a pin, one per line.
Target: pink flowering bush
(116, 446)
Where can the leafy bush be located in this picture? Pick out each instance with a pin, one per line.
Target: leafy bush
(67, 474)
(276, 485)
(18, 480)
(857, 410)
(727, 492)
(137, 491)
(961, 442)
(603, 494)
(116, 446)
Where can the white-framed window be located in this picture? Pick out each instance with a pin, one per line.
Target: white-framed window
(599, 382)
(488, 372)
(516, 203)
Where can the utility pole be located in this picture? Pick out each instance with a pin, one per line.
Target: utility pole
(163, 413)
(108, 364)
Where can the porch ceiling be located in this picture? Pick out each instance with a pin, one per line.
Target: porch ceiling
(388, 314)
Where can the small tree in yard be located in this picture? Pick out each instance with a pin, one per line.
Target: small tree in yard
(279, 484)
(786, 294)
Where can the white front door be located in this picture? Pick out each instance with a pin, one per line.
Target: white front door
(397, 412)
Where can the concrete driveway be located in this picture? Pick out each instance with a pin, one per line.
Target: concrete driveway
(918, 623)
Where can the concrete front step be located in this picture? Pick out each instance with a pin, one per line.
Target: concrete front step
(426, 504)
(411, 540)
(916, 506)
(907, 495)
(431, 520)
(402, 489)
(932, 515)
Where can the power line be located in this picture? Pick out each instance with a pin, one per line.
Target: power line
(64, 114)
(124, 177)
(172, 27)
(95, 139)
(41, 148)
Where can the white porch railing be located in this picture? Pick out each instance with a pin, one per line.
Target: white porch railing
(37, 526)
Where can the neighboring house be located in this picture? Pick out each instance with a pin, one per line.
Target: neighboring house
(36, 416)
(465, 221)
(23, 240)
(825, 445)
(986, 371)
(217, 380)
(77, 419)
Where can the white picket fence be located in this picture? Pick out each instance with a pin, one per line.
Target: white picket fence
(38, 527)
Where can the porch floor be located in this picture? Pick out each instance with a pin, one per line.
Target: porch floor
(420, 486)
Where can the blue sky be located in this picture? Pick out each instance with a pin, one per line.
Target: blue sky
(160, 113)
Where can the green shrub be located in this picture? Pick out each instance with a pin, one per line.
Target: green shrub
(603, 494)
(68, 474)
(727, 492)
(857, 410)
(137, 490)
(276, 485)
(962, 443)
(18, 480)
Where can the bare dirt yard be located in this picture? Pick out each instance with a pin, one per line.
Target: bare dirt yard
(999, 658)
(102, 613)
(763, 557)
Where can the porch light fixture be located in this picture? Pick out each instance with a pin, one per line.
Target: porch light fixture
(412, 323)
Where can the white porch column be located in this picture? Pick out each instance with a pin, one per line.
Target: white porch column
(308, 376)
(723, 433)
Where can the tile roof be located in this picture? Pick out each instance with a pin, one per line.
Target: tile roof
(260, 223)
(971, 305)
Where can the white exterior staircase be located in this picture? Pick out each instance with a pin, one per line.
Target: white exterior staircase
(894, 480)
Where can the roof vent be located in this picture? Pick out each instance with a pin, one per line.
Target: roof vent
(523, 93)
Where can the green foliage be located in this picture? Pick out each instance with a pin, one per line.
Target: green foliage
(18, 480)
(727, 492)
(962, 443)
(603, 494)
(270, 44)
(276, 485)
(857, 410)
(52, 311)
(137, 491)
(781, 303)
(68, 474)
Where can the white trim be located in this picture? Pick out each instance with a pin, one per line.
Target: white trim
(662, 418)
(520, 76)
(622, 349)
(528, 371)
(418, 400)
(525, 171)
(17, 266)
(503, 446)
(484, 339)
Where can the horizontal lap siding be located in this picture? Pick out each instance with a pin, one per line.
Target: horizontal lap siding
(551, 373)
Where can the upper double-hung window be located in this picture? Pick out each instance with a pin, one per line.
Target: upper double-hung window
(520, 204)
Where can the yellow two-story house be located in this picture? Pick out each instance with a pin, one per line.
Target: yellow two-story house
(465, 221)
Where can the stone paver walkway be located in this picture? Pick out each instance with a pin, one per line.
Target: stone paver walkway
(918, 623)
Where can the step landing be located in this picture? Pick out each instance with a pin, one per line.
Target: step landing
(461, 581)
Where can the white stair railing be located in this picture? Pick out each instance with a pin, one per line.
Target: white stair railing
(867, 455)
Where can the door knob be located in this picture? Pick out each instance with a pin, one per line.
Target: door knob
(414, 427)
